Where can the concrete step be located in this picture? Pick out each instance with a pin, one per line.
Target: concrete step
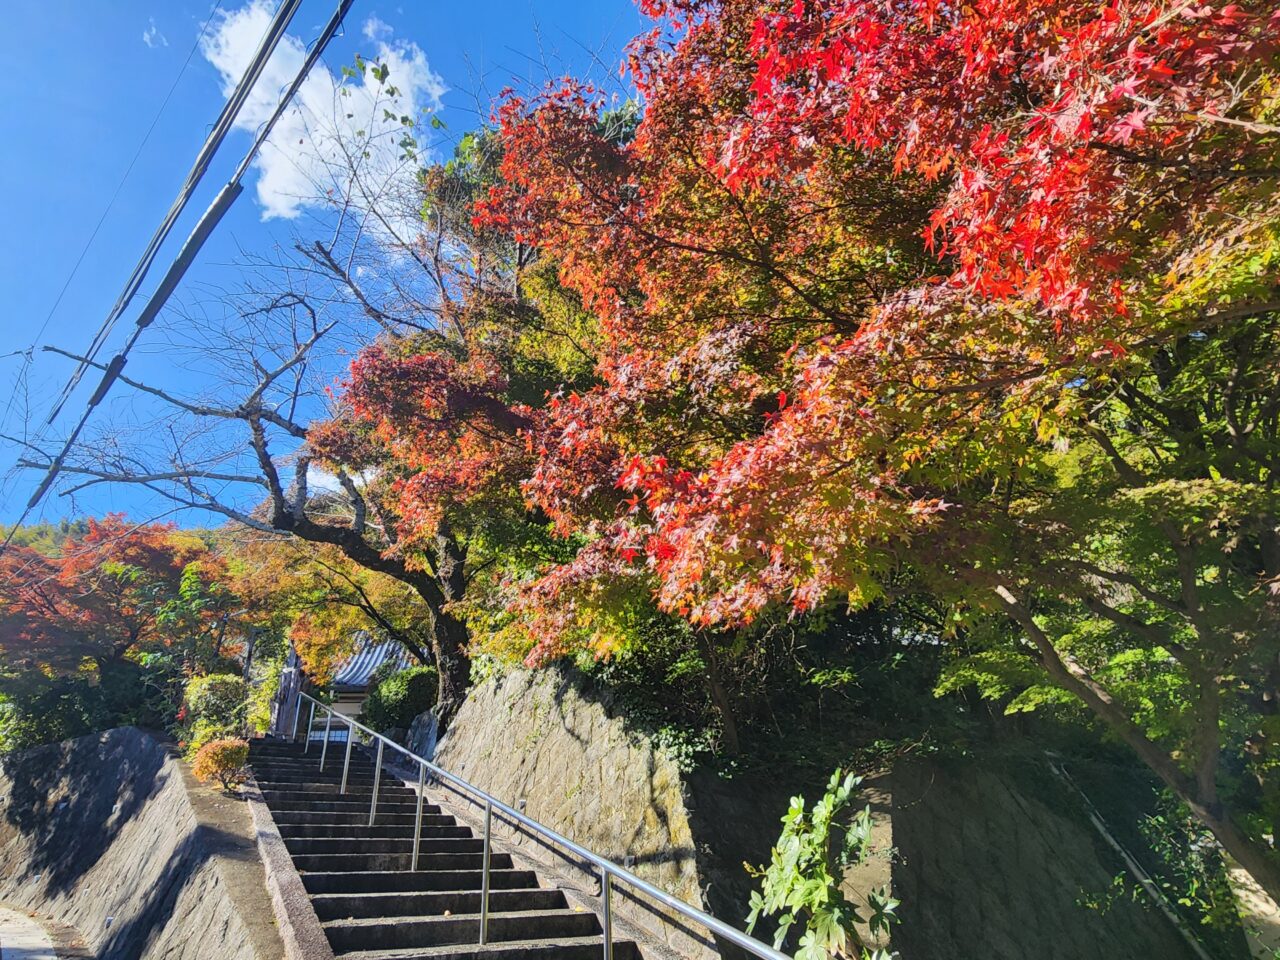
(336, 750)
(312, 761)
(307, 772)
(338, 906)
(334, 785)
(324, 800)
(308, 845)
(356, 788)
(308, 769)
(329, 782)
(359, 812)
(372, 906)
(273, 743)
(320, 830)
(401, 932)
(362, 862)
(563, 948)
(291, 752)
(305, 815)
(415, 881)
(333, 807)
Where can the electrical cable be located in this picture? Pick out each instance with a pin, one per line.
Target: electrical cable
(222, 126)
(203, 228)
(97, 227)
(146, 138)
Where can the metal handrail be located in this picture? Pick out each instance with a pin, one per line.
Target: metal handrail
(609, 871)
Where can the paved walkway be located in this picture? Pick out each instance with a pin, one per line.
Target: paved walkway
(21, 938)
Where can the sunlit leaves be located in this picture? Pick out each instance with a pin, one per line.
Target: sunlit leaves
(118, 589)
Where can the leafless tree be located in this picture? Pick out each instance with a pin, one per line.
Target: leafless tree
(224, 428)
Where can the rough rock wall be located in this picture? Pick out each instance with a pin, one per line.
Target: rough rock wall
(991, 859)
(100, 833)
(540, 738)
(992, 862)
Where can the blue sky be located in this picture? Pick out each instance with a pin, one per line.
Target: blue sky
(95, 75)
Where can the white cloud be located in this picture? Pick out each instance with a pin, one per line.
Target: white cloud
(152, 36)
(320, 480)
(376, 29)
(303, 162)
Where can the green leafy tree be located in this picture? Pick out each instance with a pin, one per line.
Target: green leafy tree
(214, 708)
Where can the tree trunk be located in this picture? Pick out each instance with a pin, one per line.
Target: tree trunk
(448, 644)
(449, 634)
(250, 643)
(720, 696)
(1260, 861)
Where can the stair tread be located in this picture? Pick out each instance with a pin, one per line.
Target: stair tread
(354, 876)
(306, 800)
(436, 918)
(409, 894)
(406, 839)
(422, 953)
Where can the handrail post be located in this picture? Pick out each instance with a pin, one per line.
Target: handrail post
(377, 779)
(608, 869)
(324, 749)
(346, 760)
(484, 874)
(311, 719)
(606, 903)
(417, 822)
(297, 713)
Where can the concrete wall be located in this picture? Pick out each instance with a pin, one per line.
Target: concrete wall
(991, 859)
(540, 737)
(102, 834)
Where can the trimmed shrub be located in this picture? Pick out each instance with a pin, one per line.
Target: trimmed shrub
(217, 697)
(396, 699)
(262, 695)
(222, 760)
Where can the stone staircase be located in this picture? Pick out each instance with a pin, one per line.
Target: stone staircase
(373, 907)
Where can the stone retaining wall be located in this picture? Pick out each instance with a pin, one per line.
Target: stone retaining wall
(102, 834)
(990, 858)
(538, 738)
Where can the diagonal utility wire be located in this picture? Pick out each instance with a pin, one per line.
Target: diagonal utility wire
(203, 228)
(221, 127)
(146, 137)
(84, 251)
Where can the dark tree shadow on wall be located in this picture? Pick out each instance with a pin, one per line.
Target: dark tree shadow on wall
(130, 940)
(70, 800)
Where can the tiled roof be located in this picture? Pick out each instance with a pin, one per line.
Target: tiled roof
(370, 654)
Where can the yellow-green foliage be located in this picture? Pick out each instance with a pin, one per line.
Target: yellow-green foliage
(264, 689)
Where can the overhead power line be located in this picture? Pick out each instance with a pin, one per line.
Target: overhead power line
(93, 235)
(221, 204)
(221, 127)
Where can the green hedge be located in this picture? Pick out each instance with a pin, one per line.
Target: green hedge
(218, 698)
(396, 699)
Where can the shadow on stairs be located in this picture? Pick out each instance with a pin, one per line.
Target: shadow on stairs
(373, 907)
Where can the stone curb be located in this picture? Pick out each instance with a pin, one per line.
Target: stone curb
(211, 809)
(300, 928)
